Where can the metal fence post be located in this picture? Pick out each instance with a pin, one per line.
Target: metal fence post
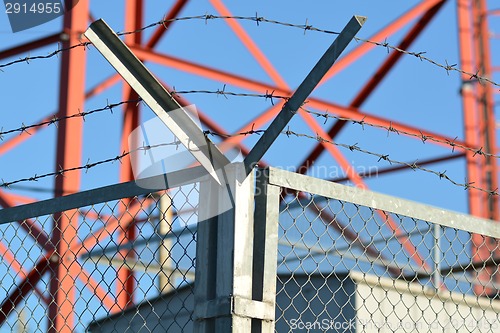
(266, 218)
(223, 285)
(235, 284)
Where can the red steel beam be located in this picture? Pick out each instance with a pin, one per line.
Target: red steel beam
(264, 63)
(376, 79)
(485, 247)
(471, 121)
(125, 284)
(260, 87)
(380, 36)
(18, 139)
(17, 198)
(69, 144)
(465, 31)
(378, 172)
(254, 50)
(23, 288)
(160, 31)
(30, 46)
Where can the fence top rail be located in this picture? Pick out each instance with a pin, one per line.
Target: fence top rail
(390, 204)
(103, 194)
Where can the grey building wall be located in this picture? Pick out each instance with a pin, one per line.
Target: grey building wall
(355, 302)
(171, 312)
(300, 299)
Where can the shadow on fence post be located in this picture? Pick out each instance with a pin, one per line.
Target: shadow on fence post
(232, 264)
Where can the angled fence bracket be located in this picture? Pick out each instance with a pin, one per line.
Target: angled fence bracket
(303, 91)
(236, 249)
(152, 92)
(236, 257)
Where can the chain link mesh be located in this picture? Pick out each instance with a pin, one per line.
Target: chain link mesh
(343, 267)
(129, 264)
(112, 261)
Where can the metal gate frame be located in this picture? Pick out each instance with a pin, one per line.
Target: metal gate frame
(298, 184)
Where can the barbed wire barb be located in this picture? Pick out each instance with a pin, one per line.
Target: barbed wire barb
(267, 96)
(259, 19)
(288, 133)
(385, 157)
(54, 119)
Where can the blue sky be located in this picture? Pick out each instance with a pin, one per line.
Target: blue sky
(415, 92)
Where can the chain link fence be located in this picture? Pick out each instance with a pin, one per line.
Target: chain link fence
(122, 259)
(346, 266)
(84, 268)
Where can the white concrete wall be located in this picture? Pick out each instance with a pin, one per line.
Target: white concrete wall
(397, 306)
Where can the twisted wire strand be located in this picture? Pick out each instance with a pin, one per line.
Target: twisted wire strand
(473, 77)
(288, 133)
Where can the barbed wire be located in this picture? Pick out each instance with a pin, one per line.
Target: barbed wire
(260, 19)
(223, 92)
(267, 96)
(29, 58)
(89, 165)
(288, 133)
(54, 119)
(326, 115)
(391, 129)
(446, 66)
(257, 19)
(385, 157)
(110, 106)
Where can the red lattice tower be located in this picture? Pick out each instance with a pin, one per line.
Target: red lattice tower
(479, 119)
(478, 111)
